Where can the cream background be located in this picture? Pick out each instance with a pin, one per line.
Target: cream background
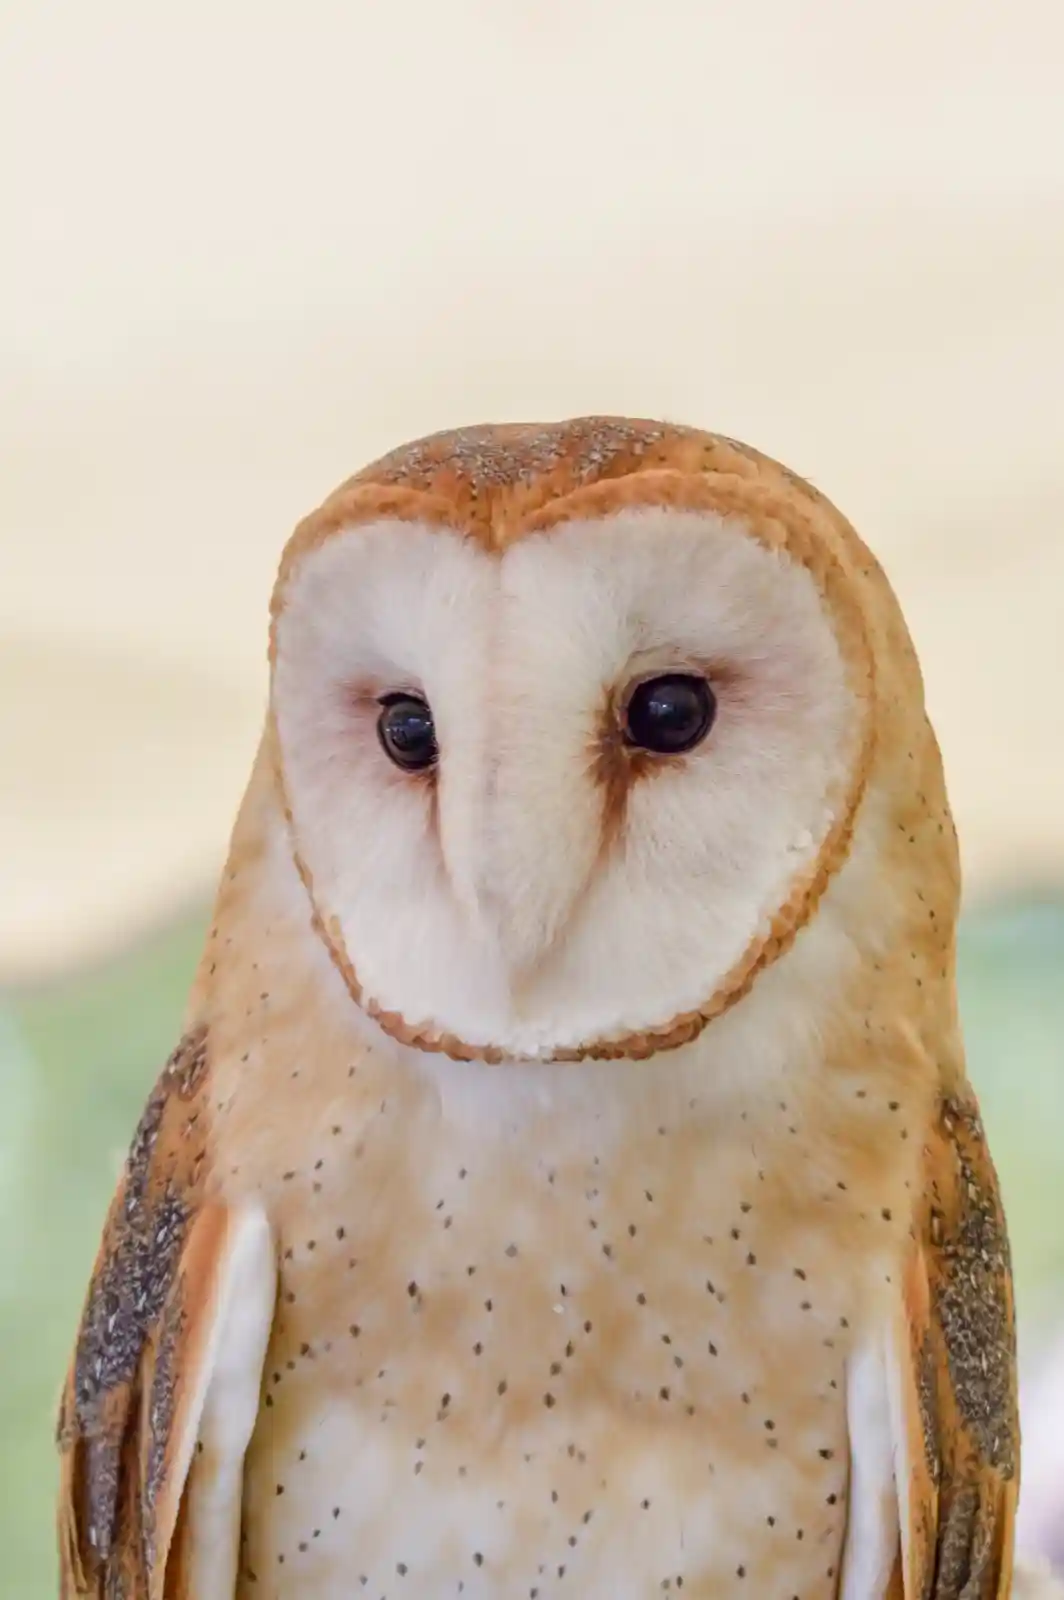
(246, 247)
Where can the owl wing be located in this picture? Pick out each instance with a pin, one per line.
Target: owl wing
(933, 1418)
(163, 1389)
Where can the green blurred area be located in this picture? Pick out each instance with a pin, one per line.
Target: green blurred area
(76, 1062)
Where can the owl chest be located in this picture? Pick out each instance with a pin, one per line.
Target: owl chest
(504, 1374)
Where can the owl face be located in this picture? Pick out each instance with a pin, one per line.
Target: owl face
(547, 794)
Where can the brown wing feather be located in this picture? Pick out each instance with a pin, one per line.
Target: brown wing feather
(123, 1427)
(959, 1410)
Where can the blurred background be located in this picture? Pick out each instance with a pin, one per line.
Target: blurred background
(249, 246)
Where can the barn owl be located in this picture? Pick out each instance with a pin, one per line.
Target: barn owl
(568, 1182)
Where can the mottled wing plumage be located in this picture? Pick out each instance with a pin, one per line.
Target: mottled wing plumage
(958, 1411)
(146, 1347)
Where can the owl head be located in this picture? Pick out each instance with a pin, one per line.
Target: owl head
(575, 726)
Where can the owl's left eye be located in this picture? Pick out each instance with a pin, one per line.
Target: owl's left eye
(671, 714)
(407, 732)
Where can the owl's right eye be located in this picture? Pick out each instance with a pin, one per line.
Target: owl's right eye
(407, 732)
(671, 714)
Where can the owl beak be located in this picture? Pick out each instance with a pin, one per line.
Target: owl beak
(519, 898)
(521, 939)
(537, 870)
(521, 840)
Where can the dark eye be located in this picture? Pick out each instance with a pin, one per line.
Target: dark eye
(670, 714)
(407, 732)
